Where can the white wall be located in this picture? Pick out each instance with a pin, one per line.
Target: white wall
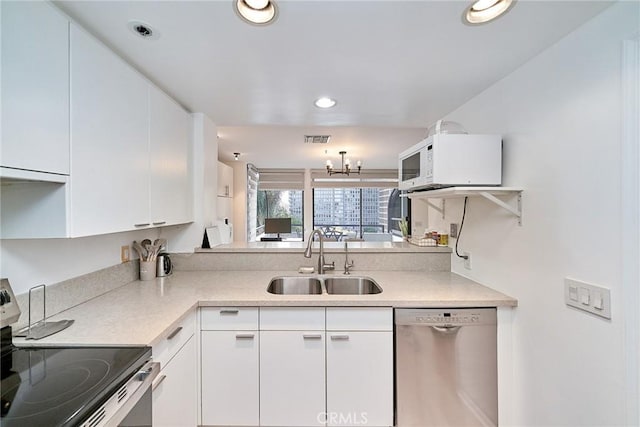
(32, 262)
(35, 261)
(239, 201)
(561, 117)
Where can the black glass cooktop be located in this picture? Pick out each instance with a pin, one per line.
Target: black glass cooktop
(62, 386)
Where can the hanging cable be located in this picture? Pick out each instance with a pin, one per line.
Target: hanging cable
(464, 213)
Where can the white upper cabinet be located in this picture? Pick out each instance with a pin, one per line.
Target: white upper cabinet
(112, 149)
(109, 140)
(170, 186)
(35, 87)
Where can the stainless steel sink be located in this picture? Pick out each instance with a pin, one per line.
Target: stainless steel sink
(351, 286)
(295, 286)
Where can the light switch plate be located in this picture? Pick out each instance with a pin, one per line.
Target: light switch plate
(588, 297)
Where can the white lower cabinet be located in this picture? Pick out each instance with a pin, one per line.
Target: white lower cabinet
(229, 366)
(297, 366)
(359, 366)
(359, 378)
(292, 378)
(175, 390)
(230, 378)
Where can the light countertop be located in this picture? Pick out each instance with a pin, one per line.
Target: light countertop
(141, 312)
(329, 246)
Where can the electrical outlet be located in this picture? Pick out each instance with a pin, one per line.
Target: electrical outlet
(125, 253)
(453, 230)
(467, 261)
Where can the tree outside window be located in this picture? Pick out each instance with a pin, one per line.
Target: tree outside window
(281, 204)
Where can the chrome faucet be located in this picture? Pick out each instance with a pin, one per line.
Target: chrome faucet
(307, 253)
(347, 265)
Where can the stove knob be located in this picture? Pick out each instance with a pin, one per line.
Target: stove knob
(3, 301)
(7, 297)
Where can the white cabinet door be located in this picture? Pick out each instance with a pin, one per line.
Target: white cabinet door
(225, 180)
(230, 378)
(109, 140)
(359, 378)
(35, 87)
(170, 184)
(292, 378)
(175, 392)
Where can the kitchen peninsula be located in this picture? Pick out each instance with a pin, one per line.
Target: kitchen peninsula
(192, 311)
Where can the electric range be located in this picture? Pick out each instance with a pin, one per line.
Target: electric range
(72, 386)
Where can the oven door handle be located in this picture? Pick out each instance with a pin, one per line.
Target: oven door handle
(145, 376)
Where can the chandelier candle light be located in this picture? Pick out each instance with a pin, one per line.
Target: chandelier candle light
(346, 166)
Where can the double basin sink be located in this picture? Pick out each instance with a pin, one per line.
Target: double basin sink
(317, 285)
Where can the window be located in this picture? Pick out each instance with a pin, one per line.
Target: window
(279, 195)
(398, 208)
(356, 212)
(280, 204)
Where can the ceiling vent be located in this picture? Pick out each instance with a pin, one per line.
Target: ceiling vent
(316, 139)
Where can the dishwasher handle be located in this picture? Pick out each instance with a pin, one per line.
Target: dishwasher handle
(446, 329)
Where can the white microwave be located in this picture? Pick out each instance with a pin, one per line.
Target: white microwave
(448, 160)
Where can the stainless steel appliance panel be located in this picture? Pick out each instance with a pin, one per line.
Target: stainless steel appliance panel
(446, 367)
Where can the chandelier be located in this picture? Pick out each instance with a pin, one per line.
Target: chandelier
(346, 166)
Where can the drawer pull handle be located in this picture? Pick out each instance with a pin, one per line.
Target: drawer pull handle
(312, 337)
(144, 224)
(245, 336)
(340, 337)
(174, 333)
(223, 312)
(155, 386)
(159, 222)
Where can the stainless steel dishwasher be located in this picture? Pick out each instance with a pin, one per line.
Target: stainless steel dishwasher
(446, 367)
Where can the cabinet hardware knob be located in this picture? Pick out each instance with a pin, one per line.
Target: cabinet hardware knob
(245, 336)
(339, 337)
(312, 337)
(174, 333)
(222, 312)
(144, 224)
(162, 378)
(159, 222)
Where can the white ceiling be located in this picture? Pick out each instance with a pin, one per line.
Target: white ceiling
(395, 67)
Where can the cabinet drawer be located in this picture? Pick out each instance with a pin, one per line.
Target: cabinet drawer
(228, 318)
(292, 319)
(359, 319)
(174, 339)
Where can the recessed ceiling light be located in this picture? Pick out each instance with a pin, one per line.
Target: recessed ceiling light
(482, 11)
(143, 30)
(258, 12)
(325, 102)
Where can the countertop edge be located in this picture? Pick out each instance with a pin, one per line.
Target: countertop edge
(481, 296)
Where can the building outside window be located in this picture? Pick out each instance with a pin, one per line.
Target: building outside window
(357, 212)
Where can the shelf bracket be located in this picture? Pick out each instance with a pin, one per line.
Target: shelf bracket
(437, 208)
(517, 211)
